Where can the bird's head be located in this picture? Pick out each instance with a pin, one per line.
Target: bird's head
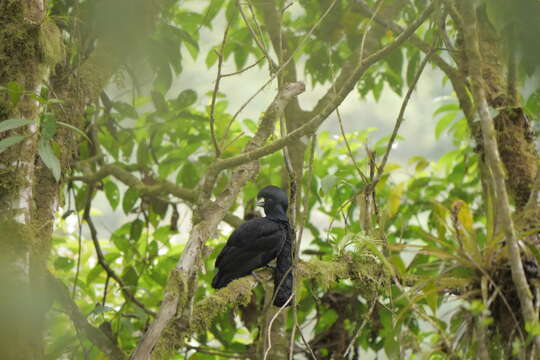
(274, 201)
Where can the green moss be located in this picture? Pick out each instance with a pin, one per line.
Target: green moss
(236, 293)
(19, 45)
(325, 272)
(517, 152)
(51, 43)
(355, 266)
(177, 287)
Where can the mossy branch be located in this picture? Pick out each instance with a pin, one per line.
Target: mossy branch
(159, 188)
(494, 161)
(207, 216)
(238, 292)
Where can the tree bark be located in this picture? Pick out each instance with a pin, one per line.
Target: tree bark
(26, 39)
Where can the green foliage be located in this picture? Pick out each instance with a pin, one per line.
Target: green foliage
(397, 273)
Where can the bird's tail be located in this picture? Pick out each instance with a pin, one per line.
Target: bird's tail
(283, 277)
(217, 282)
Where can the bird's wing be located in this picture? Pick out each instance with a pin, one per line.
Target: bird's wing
(257, 235)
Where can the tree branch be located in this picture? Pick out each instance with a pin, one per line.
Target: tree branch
(95, 335)
(207, 215)
(101, 258)
(495, 163)
(161, 187)
(354, 68)
(458, 80)
(400, 118)
(327, 104)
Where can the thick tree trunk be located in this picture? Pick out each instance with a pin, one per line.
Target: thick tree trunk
(22, 67)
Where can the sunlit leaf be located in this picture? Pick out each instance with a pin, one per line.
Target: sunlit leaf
(130, 198)
(112, 193)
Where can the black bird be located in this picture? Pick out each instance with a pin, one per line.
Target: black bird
(257, 242)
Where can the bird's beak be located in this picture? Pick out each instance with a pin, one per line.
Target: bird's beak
(260, 203)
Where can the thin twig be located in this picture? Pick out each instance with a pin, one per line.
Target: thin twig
(227, 355)
(367, 28)
(400, 118)
(158, 187)
(306, 343)
(349, 151)
(342, 130)
(257, 25)
(306, 192)
(244, 69)
(360, 328)
(216, 90)
(258, 41)
(101, 258)
(95, 335)
(105, 288)
(329, 107)
(79, 248)
(283, 66)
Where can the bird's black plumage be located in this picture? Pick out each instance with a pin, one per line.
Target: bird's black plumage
(257, 242)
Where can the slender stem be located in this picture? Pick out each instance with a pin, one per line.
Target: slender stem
(95, 335)
(244, 69)
(286, 62)
(216, 90)
(401, 117)
(101, 258)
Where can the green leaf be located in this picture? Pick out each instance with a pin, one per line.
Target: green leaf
(15, 91)
(327, 183)
(125, 109)
(100, 309)
(49, 158)
(189, 175)
(211, 57)
(184, 35)
(143, 154)
(231, 13)
(445, 108)
(10, 141)
(212, 10)
(93, 274)
(136, 230)
(14, 123)
(159, 101)
(186, 98)
(533, 103)
(63, 263)
(71, 127)
(130, 276)
(112, 193)
(48, 127)
(130, 198)
(443, 123)
(164, 78)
